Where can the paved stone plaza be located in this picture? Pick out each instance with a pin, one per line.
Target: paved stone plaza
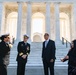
(38, 71)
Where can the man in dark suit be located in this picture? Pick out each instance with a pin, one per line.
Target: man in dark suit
(48, 55)
(23, 49)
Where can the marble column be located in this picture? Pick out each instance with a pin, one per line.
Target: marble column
(57, 23)
(74, 21)
(19, 22)
(48, 19)
(1, 17)
(28, 26)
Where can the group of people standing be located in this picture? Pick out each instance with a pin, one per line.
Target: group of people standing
(48, 55)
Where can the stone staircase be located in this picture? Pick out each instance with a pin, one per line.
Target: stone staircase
(35, 59)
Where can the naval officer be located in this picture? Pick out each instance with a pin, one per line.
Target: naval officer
(23, 49)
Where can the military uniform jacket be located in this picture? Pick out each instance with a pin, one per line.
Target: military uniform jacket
(4, 53)
(22, 49)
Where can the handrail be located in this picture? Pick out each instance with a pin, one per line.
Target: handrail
(65, 41)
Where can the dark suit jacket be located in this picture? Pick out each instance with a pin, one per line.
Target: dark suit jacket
(4, 52)
(24, 49)
(48, 53)
(72, 57)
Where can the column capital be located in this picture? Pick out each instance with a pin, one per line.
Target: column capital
(56, 7)
(47, 2)
(57, 2)
(29, 2)
(1, 2)
(19, 2)
(47, 8)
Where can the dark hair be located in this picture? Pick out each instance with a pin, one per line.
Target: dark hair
(46, 34)
(74, 42)
(3, 36)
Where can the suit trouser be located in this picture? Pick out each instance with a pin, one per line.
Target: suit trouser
(21, 68)
(3, 70)
(48, 66)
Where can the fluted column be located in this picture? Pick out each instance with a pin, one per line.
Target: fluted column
(1, 17)
(19, 21)
(28, 26)
(48, 19)
(57, 22)
(74, 21)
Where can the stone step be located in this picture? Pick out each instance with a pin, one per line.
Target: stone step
(39, 64)
(34, 59)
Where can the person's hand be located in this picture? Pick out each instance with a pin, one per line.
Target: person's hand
(62, 60)
(65, 58)
(10, 45)
(52, 60)
(24, 56)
